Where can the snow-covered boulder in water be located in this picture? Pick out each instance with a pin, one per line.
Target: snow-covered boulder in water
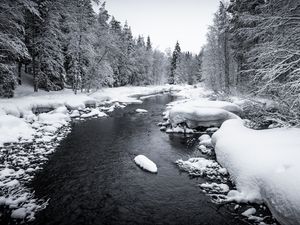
(94, 112)
(264, 165)
(141, 110)
(228, 106)
(145, 163)
(198, 116)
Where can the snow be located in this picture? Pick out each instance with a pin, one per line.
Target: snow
(198, 117)
(200, 167)
(220, 188)
(264, 165)
(194, 109)
(93, 113)
(249, 212)
(145, 163)
(19, 213)
(141, 110)
(204, 103)
(75, 113)
(180, 129)
(12, 129)
(53, 118)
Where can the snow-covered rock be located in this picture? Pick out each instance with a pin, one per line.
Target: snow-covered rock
(200, 167)
(94, 112)
(75, 113)
(249, 212)
(56, 119)
(215, 187)
(197, 115)
(12, 129)
(180, 129)
(145, 163)
(18, 213)
(264, 165)
(205, 140)
(141, 110)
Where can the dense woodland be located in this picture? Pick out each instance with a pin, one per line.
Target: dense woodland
(253, 47)
(65, 44)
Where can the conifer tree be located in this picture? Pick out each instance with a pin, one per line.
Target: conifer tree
(174, 62)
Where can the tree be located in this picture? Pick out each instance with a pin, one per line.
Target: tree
(174, 62)
(149, 45)
(219, 68)
(13, 50)
(80, 20)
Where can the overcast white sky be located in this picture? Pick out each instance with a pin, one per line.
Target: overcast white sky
(167, 21)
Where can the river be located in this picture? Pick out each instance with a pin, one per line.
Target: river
(92, 179)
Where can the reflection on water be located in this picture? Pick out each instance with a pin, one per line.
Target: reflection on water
(92, 179)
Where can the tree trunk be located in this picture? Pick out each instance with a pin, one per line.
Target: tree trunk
(226, 61)
(34, 73)
(20, 73)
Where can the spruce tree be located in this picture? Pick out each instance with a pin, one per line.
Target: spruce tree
(148, 45)
(174, 62)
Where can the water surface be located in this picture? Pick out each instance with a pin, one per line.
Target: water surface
(91, 179)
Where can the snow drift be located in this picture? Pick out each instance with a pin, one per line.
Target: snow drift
(264, 165)
(195, 116)
(12, 129)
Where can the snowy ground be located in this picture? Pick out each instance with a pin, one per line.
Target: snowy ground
(245, 167)
(32, 126)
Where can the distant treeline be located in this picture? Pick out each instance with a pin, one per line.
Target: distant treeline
(66, 44)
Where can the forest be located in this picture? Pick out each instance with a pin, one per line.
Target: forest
(67, 45)
(253, 48)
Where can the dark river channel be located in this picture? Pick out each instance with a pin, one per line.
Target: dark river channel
(92, 179)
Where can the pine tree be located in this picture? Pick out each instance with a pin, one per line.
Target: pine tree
(174, 62)
(149, 45)
(48, 47)
(13, 50)
(79, 42)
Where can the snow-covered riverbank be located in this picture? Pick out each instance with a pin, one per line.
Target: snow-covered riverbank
(32, 126)
(261, 164)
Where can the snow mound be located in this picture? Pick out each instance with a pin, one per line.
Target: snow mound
(228, 106)
(141, 110)
(59, 119)
(12, 129)
(199, 116)
(94, 112)
(264, 165)
(145, 163)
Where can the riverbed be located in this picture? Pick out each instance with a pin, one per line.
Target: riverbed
(92, 179)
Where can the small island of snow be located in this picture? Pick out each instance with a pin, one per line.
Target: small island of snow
(145, 163)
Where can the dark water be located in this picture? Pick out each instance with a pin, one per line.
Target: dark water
(92, 179)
